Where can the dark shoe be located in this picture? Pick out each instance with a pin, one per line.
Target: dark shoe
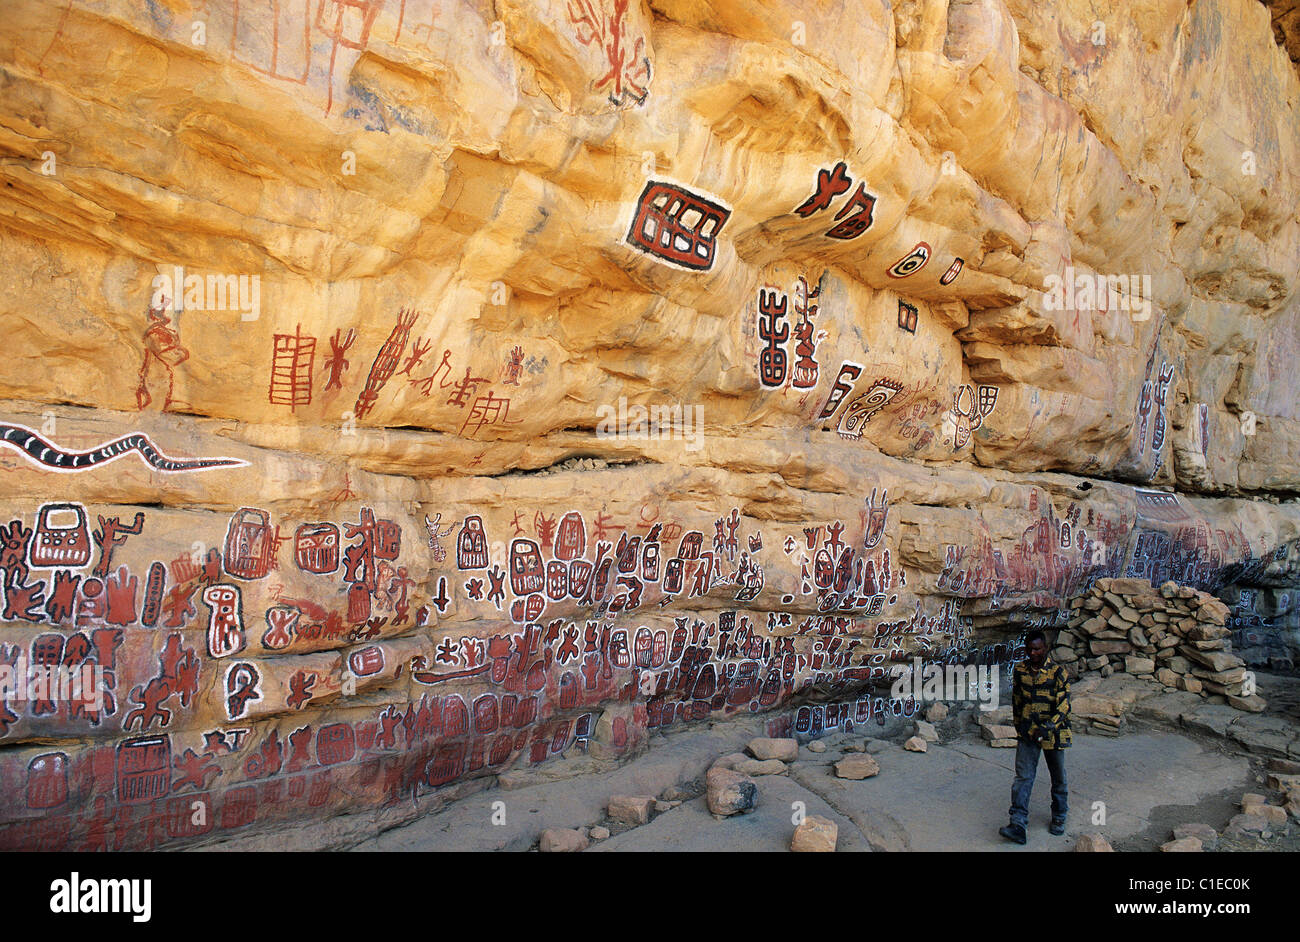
(1056, 827)
(1013, 832)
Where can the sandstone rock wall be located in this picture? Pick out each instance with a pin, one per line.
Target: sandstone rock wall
(402, 392)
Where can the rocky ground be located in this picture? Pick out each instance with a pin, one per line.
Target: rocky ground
(1178, 760)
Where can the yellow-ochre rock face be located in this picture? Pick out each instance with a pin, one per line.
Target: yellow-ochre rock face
(400, 392)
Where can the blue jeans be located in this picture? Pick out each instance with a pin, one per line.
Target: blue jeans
(1026, 770)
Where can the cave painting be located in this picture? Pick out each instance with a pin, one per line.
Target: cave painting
(911, 263)
(969, 411)
(773, 332)
(51, 457)
(1159, 423)
(274, 37)
(162, 345)
(65, 543)
(854, 217)
(858, 412)
(627, 78)
(774, 368)
(386, 361)
(711, 664)
(513, 368)
(292, 358)
(677, 226)
(251, 544)
(842, 387)
(805, 349)
(907, 316)
(338, 363)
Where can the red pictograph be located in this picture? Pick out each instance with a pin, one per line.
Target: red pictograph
(844, 383)
(854, 217)
(603, 526)
(61, 538)
(628, 76)
(830, 184)
(860, 221)
(335, 744)
(544, 527)
(805, 367)
(281, 622)
(110, 534)
(418, 350)
(772, 361)
(366, 661)
(144, 769)
(425, 384)
(251, 544)
(162, 345)
(195, 770)
(571, 539)
(179, 605)
(180, 668)
(120, 590)
(513, 368)
(14, 541)
(149, 699)
(300, 689)
(338, 363)
(185, 568)
(46, 652)
(153, 592)
(347, 23)
(677, 226)
(300, 746)
(23, 601)
(293, 357)
(63, 596)
(289, 53)
(386, 361)
(359, 558)
(907, 316)
(464, 389)
(242, 688)
(211, 571)
(316, 547)
(239, 807)
(226, 626)
(47, 780)
(488, 409)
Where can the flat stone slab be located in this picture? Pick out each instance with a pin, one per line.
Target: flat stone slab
(1212, 718)
(1167, 707)
(760, 767)
(1264, 735)
(787, 750)
(856, 768)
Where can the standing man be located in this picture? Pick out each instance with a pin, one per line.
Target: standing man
(1040, 703)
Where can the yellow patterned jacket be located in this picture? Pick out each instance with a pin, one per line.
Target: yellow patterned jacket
(1040, 703)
